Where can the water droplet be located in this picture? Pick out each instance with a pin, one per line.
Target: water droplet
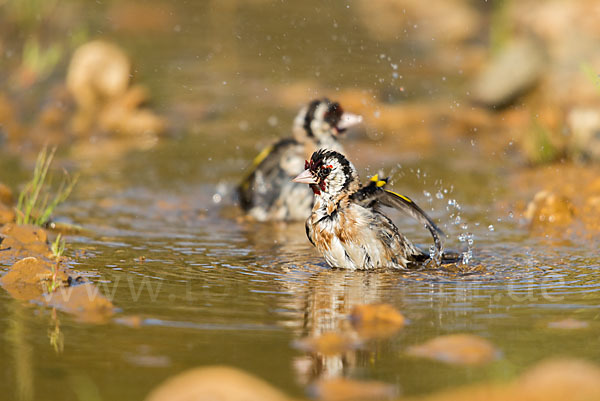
(439, 195)
(491, 227)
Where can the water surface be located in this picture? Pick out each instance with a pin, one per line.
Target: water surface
(164, 241)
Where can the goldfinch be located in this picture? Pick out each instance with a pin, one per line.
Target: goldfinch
(267, 192)
(347, 225)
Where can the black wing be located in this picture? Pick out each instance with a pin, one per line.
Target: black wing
(373, 193)
(267, 161)
(407, 206)
(368, 195)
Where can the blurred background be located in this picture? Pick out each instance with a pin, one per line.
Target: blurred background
(513, 77)
(485, 112)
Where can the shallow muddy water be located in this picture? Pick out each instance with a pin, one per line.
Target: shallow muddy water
(195, 286)
(201, 288)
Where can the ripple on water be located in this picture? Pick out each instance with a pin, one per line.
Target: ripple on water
(222, 280)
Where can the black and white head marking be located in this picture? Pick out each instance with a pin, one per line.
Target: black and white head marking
(320, 120)
(331, 171)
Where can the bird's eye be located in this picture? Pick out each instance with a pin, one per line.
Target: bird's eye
(324, 172)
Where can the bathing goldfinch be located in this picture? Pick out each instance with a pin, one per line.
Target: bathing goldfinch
(346, 223)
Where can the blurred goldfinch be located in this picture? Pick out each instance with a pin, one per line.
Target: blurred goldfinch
(267, 192)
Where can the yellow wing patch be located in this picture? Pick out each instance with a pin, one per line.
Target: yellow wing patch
(399, 196)
(257, 160)
(378, 183)
(262, 155)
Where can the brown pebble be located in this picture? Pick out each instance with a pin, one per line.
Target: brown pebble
(342, 389)
(215, 383)
(329, 343)
(376, 320)
(460, 349)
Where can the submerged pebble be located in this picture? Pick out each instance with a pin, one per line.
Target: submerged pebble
(459, 349)
(342, 389)
(329, 343)
(376, 320)
(569, 324)
(35, 276)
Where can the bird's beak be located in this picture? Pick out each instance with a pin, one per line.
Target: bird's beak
(305, 177)
(349, 120)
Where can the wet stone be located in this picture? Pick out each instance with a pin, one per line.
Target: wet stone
(376, 320)
(6, 195)
(551, 380)
(7, 214)
(98, 70)
(569, 324)
(84, 301)
(584, 127)
(549, 208)
(512, 72)
(561, 379)
(459, 349)
(27, 279)
(328, 343)
(99, 79)
(37, 278)
(571, 196)
(25, 234)
(342, 389)
(22, 241)
(218, 383)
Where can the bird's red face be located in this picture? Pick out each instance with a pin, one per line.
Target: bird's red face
(328, 173)
(315, 174)
(319, 172)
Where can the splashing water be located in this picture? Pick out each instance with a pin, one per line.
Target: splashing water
(454, 208)
(467, 254)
